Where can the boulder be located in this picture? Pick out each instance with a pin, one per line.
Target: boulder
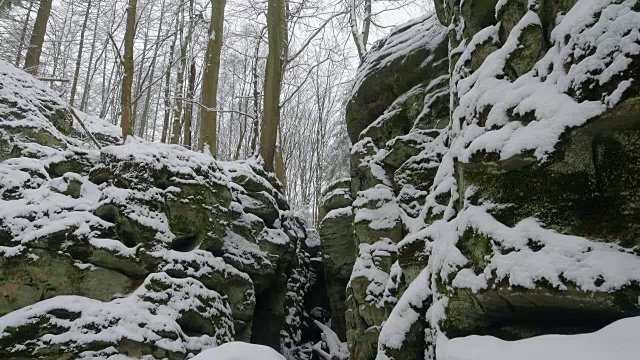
(411, 55)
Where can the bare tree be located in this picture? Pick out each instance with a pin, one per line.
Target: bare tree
(276, 30)
(178, 107)
(208, 117)
(189, 108)
(127, 79)
(167, 88)
(360, 38)
(23, 34)
(147, 102)
(254, 74)
(91, 71)
(32, 60)
(76, 74)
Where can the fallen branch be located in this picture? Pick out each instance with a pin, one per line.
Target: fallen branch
(75, 115)
(212, 109)
(337, 349)
(115, 47)
(52, 79)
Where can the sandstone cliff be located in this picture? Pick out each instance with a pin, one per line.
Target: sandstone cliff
(494, 178)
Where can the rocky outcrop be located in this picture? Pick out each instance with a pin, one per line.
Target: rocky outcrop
(395, 133)
(495, 193)
(338, 248)
(393, 79)
(141, 249)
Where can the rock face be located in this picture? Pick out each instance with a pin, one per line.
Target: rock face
(495, 183)
(140, 249)
(394, 133)
(338, 248)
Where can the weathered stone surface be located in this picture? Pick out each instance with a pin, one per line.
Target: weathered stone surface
(590, 180)
(477, 15)
(418, 171)
(338, 250)
(367, 169)
(401, 150)
(532, 48)
(384, 69)
(335, 199)
(396, 131)
(366, 306)
(509, 15)
(82, 320)
(518, 313)
(339, 247)
(24, 282)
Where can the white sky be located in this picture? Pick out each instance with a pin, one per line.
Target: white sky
(397, 17)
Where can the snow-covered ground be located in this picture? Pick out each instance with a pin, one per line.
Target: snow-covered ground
(239, 351)
(618, 341)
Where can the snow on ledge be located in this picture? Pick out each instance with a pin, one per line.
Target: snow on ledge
(605, 29)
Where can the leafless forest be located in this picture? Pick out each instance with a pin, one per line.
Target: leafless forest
(240, 78)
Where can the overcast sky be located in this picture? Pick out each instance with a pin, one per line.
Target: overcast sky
(399, 16)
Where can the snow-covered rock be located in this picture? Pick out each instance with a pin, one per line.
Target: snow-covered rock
(138, 249)
(495, 195)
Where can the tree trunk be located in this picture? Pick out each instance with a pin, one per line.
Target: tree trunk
(167, 88)
(243, 130)
(155, 115)
(127, 79)
(145, 111)
(140, 79)
(242, 101)
(208, 116)
(366, 23)
(23, 34)
(246, 122)
(91, 71)
(106, 92)
(360, 39)
(281, 171)
(232, 114)
(57, 50)
(65, 55)
(32, 60)
(189, 108)
(179, 95)
(76, 73)
(256, 120)
(276, 28)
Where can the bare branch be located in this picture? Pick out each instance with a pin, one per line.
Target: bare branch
(211, 109)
